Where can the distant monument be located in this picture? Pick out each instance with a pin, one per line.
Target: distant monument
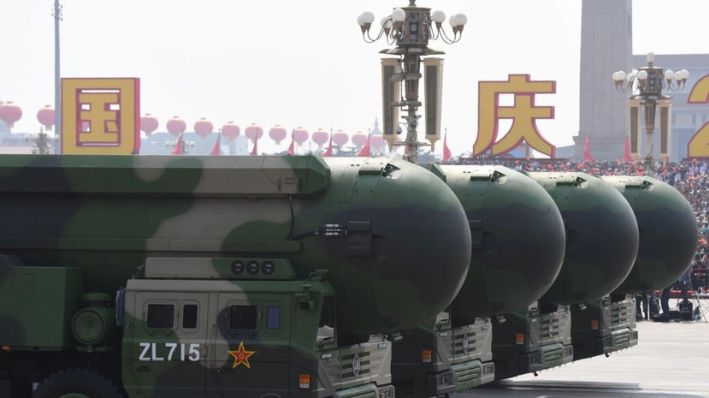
(606, 47)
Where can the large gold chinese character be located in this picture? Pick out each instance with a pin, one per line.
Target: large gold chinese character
(100, 116)
(699, 144)
(524, 114)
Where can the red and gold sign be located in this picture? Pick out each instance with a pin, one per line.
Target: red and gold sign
(100, 116)
(698, 146)
(523, 114)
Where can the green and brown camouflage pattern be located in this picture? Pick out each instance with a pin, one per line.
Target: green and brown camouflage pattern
(518, 240)
(668, 233)
(393, 237)
(601, 237)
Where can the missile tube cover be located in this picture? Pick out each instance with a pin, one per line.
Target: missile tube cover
(518, 240)
(601, 237)
(668, 232)
(392, 237)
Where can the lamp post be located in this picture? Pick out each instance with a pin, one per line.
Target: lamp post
(410, 29)
(57, 14)
(648, 87)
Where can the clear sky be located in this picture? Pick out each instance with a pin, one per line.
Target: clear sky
(304, 63)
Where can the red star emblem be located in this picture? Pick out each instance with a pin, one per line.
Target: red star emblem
(241, 356)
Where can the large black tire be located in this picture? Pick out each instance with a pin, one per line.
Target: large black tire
(77, 381)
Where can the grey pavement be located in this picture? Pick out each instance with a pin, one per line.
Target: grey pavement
(670, 360)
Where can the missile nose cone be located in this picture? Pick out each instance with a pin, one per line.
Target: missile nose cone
(407, 262)
(601, 237)
(518, 240)
(668, 232)
(423, 245)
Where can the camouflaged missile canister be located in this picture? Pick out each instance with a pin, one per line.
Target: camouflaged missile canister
(668, 232)
(518, 240)
(393, 237)
(601, 237)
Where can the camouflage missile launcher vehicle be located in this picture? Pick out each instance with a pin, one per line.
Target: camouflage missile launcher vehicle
(601, 245)
(668, 238)
(518, 248)
(192, 276)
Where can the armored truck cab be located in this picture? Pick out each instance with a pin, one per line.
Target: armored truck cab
(190, 329)
(532, 340)
(604, 326)
(438, 359)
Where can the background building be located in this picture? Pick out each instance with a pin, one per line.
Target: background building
(606, 47)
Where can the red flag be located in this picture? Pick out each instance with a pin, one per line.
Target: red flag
(291, 148)
(627, 156)
(587, 150)
(328, 152)
(254, 152)
(365, 152)
(179, 147)
(446, 151)
(217, 149)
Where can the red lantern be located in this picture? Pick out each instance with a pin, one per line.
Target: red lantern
(176, 126)
(320, 137)
(253, 132)
(300, 135)
(230, 131)
(340, 138)
(46, 117)
(359, 139)
(148, 124)
(277, 133)
(10, 113)
(203, 127)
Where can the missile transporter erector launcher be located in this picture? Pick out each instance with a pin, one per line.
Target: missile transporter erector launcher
(601, 245)
(518, 248)
(186, 276)
(668, 239)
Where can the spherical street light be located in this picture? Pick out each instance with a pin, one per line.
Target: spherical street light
(411, 28)
(649, 85)
(438, 17)
(398, 15)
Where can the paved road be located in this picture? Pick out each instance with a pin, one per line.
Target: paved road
(671, 360)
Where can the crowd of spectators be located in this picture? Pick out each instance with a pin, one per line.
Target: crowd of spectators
(690, 177)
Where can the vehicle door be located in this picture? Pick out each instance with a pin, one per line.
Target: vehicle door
(168, 348)
(251, 346)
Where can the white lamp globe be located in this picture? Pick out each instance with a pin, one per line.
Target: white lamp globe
(367, 17)
(461, 19)
(398, 15)
(451, 20)
(438, 17)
